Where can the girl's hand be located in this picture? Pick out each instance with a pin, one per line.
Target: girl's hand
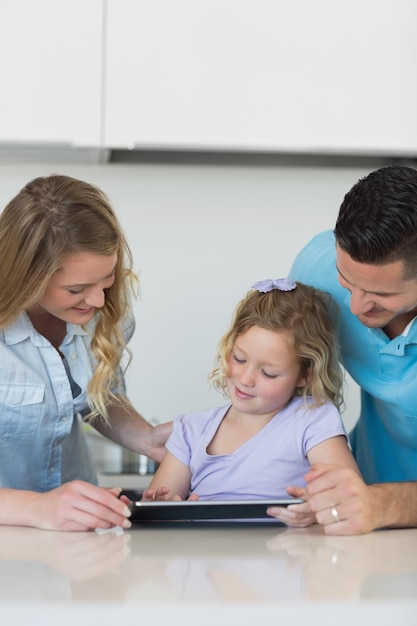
(158, 494)
(295, 515)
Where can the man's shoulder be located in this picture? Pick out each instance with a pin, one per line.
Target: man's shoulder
(322, 243)
(315, 264)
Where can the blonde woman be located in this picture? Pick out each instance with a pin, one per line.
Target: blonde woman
(278, 366)
(65, 320)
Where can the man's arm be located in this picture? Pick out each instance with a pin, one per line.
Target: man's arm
(360, 508)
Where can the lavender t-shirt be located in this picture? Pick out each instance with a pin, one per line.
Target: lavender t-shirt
(263, 466)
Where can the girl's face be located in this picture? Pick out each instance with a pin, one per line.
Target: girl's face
(77, 289)
(263, 372)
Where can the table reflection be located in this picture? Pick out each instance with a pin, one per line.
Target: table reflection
(42, 566)
(198, 564)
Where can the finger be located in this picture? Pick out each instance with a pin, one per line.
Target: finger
(101, 506)
(295, 520)
(116, 491)
(296, 492)
(148, 495)
(317, 470)
(329, 516)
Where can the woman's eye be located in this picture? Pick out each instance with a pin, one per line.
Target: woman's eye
(73, 292)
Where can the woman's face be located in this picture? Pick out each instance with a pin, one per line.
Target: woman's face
(77, 289)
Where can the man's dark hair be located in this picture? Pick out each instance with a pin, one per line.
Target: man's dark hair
(377, 222)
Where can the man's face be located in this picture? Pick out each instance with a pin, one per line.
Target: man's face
(380, 295)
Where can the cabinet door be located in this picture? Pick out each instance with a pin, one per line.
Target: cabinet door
(282, 75)
(51, 71)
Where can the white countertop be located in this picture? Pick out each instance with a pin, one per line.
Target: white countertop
(236, 575)
(136, 482)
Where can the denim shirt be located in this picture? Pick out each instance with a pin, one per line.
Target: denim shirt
(42, 443)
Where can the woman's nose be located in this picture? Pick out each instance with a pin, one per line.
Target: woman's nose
(96, 298)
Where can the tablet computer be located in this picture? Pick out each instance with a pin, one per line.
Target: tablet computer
(192, 510)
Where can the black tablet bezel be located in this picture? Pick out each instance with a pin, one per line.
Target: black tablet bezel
(190, 510)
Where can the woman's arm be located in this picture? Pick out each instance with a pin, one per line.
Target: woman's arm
(129, 429)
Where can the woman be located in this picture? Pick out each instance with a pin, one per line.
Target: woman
(65, 320)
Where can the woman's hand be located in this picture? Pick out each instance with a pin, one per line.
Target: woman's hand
(157, 438)
(76, 505)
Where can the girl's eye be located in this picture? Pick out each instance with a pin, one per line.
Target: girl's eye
(73, 292)
(235, 358)
(269, 375)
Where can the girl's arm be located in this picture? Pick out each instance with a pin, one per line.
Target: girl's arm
(172, 480)
(334, 451)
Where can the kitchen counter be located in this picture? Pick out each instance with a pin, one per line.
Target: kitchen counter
(207, 575)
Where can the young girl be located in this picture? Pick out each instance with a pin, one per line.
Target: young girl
(278, 364)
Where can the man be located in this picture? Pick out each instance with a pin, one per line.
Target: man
(369, 265)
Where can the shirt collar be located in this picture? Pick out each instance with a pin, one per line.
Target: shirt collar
(22, 329)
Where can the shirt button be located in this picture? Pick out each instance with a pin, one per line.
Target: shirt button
(64, 418)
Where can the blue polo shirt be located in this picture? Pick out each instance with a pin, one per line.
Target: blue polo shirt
(384, 439)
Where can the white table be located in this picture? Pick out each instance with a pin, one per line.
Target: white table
(207, 576)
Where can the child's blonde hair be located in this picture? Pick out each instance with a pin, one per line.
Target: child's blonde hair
(305, 315)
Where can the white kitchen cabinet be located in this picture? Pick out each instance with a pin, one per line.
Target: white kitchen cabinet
(281, 75)
(51, 60)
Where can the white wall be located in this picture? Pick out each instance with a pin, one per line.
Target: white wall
(201, 235)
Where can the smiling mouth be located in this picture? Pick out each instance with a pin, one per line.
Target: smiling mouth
(84, 311)
(373, 313)
(242, 394)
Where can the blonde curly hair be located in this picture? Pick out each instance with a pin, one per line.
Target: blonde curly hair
(48, 221)
(305, 315)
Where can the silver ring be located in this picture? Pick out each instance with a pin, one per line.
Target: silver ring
(335, 514)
